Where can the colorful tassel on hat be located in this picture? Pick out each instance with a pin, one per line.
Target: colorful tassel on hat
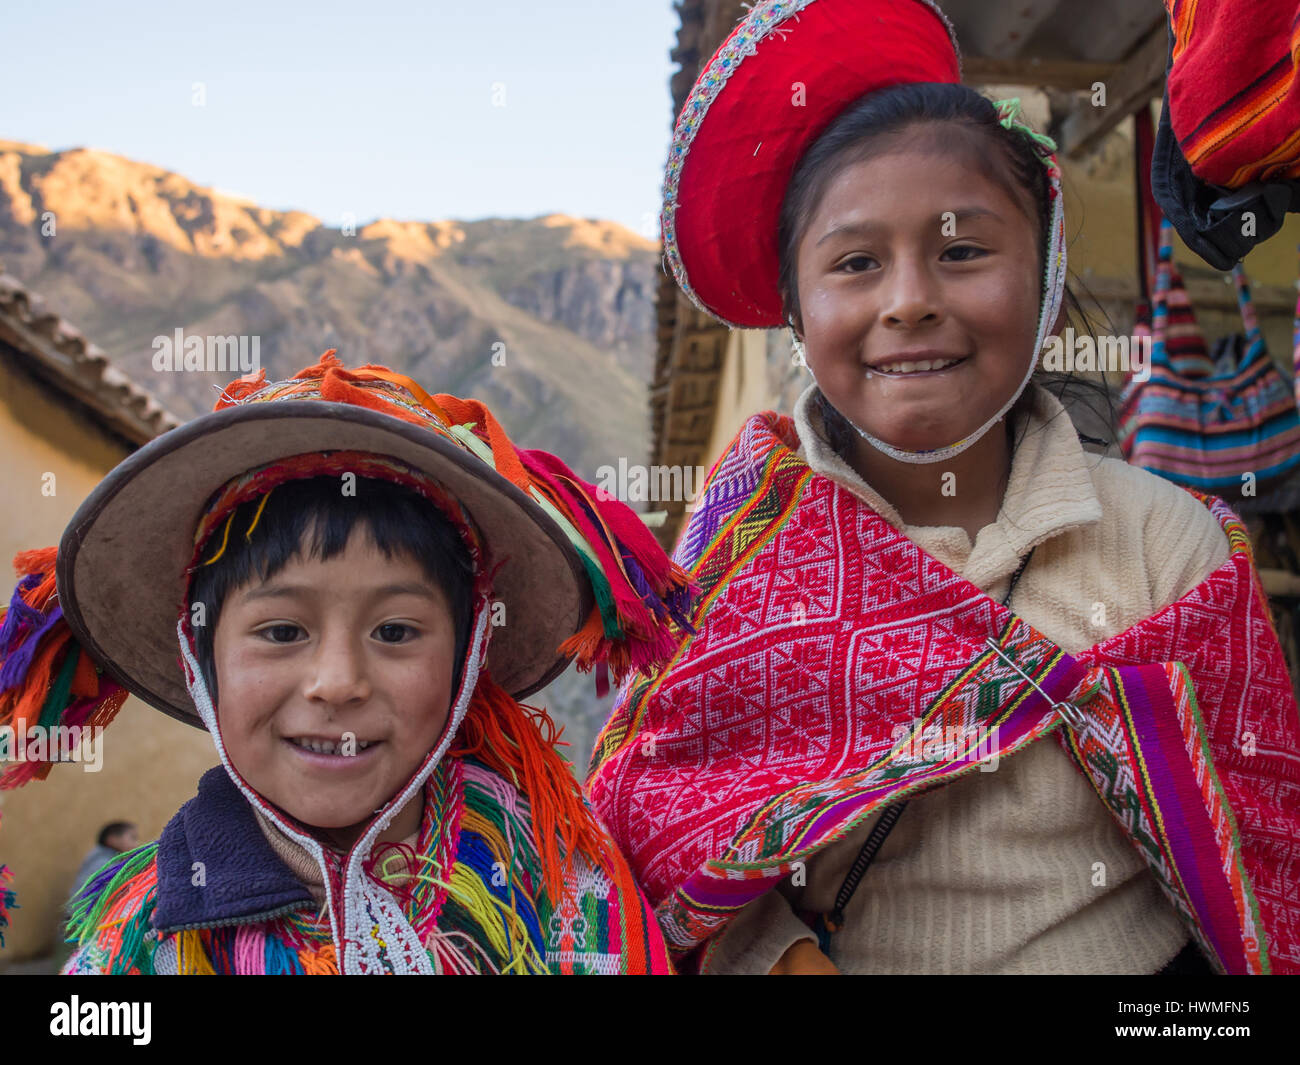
(46, 679)
(639, 592)
(650, 592)
(637, 588)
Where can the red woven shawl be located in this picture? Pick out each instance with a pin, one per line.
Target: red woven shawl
(825, 635)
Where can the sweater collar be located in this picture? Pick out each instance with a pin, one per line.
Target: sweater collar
(246, 868)
(1050, 490)
(215, 866)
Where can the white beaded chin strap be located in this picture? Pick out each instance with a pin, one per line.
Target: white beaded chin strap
(370, 912)
(1050, 307)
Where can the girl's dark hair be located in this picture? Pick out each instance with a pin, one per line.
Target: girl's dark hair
(400, 521)
(971, 125)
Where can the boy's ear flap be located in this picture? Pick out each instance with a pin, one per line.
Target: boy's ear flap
(1059, 325)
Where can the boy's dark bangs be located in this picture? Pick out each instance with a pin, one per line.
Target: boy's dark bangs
(313, 519)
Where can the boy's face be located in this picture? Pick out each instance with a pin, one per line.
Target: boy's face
(125, 840)
(353, 657)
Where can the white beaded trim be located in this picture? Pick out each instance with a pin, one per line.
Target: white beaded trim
(370, 913)
(763, 20)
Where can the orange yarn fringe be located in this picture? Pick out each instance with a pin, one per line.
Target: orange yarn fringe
(519, 742)
(319, 962)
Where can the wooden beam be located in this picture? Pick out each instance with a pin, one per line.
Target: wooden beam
(1205, 294)
(1002, 30)
(1140, 78)
(1043, 73)
(1280, 583)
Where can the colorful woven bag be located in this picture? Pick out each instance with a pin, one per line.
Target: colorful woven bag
(1231, 433)
(1184, 341)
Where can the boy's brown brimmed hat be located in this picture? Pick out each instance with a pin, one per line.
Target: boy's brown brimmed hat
(579, 575)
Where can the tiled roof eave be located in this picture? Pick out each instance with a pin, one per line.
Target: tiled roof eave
(57, 352)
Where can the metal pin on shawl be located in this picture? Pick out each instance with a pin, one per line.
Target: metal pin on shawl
(1070, 713)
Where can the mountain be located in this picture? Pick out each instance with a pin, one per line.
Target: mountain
(129, 252)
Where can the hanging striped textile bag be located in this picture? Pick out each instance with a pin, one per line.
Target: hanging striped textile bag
(1231, 433)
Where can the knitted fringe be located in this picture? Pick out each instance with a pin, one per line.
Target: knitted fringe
(319, 962)
(191, 958)
(520, 743)
(115, 906)
(498, 917)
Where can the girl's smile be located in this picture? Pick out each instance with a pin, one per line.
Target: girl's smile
(912, 364)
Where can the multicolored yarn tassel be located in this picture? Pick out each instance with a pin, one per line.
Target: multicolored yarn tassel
(118, 900)
(520, 743)
(649, 591)
(491, 909)
(46, 679)
(637, 588)
(191, 958)
(8, 901)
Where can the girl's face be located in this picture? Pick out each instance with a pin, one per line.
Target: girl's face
(919, 292)
(354, 654)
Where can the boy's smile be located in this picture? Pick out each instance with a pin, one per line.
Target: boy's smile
(334, 683)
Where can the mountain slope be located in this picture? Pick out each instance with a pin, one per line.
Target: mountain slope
(130, 252)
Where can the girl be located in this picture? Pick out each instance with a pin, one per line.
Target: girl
(963, 698)
(336, 556)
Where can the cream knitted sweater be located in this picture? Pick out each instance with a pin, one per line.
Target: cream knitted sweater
(1021, 870)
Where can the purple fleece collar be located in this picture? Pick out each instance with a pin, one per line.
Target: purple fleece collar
(242, 876)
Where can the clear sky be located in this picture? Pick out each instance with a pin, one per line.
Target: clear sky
(375, 109)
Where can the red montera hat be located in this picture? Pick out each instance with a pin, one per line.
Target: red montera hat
(775, 84)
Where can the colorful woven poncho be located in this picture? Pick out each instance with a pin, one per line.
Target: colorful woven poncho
(474, 892)
(824, 634)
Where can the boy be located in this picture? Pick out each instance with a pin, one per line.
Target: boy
(334, 554)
